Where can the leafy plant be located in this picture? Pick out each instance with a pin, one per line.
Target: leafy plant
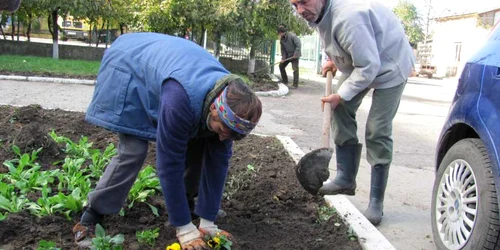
(145, 185)
(352, 235)
(24, 172)
(324, 214)
(218, 242)
(47, 245)
(238, 181)
(46, 205)
(148, 237)
(12, 203)
(106, 242)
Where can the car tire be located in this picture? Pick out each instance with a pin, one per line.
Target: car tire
(465, 185)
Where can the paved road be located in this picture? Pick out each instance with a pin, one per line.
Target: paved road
(417, 125)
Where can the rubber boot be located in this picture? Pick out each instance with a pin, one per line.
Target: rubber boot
(348, 157)
(375, 210)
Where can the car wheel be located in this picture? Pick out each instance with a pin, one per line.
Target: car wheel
(464, 200)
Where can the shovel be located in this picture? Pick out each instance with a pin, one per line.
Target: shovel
(290, 58)
(312, 169)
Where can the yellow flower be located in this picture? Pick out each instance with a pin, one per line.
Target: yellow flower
(174, 246)
(217, 240)
(212, 243)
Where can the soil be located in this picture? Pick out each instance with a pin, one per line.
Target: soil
(271, 211)
(262, 82)
(47, 74)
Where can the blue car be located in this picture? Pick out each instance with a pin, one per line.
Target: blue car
(466, 193)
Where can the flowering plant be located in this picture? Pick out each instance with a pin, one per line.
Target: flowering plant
(174, 246)
(218, 242)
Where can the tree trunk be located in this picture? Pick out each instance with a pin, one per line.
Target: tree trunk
(55, 38)
(99, 35)
(108, 40)
(13, 27)
(49, 24)
(218, 37)
(3, 34)
(90, 34)
(202, 35)
(30, 21)
(122, 25)
(251, 60)
(18, 27)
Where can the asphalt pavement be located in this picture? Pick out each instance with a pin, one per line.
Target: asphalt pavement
(417, 125)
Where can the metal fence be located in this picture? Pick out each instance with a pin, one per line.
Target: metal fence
(232, 47)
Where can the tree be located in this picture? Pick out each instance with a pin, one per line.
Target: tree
(258, 20)
(410, 19)
(30, 9)
(56, 8)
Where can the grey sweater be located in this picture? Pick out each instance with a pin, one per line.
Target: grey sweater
(290, 46)
(366, 42)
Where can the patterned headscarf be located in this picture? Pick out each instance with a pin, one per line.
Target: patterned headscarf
(229, 118)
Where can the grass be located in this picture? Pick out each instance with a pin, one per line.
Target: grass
(32, 64)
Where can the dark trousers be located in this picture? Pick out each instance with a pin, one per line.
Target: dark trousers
(113, 187)
(295, 67)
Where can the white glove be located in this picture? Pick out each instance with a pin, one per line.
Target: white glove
(208, 227)
(190, 237)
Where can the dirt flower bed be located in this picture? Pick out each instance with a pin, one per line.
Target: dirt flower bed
(265, 205)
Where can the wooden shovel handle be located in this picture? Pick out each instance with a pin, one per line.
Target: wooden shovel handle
(327, 112)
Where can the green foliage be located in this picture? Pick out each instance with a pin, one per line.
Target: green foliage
(48, 65)
(146, 184)
(218, 242)
(106, 242)
(47, 245)
(148, 237)
(411, 20)
(236, 182)
(65, 196)
(324, 214)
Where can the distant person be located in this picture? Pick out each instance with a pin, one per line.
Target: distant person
(366, 42)
(290, 53)
(155, 87)
(9, 5)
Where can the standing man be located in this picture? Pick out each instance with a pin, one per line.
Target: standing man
(368, 45)
(290, 52)
(154, 87)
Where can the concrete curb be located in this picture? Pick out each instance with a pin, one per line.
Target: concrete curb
(368, 235)
(46, 79)
(282, 88)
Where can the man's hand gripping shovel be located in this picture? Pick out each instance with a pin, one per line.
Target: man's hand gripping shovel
(312, 169)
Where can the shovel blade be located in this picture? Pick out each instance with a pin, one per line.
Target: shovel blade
(312, 169)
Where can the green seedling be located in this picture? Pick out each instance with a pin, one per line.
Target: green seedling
(148, 237)
(236, 182)
(218, 242)
(24, 171)
(47, 245)
(46, 205)
(106, 242)
(3, 216)
(351, 234)
(324, 214)
(146, 184)
(13, 203)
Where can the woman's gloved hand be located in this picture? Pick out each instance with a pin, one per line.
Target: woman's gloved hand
(190, 237)
(209, 228)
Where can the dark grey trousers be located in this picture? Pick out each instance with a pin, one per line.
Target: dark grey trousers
(295, 67)
(112, 189)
